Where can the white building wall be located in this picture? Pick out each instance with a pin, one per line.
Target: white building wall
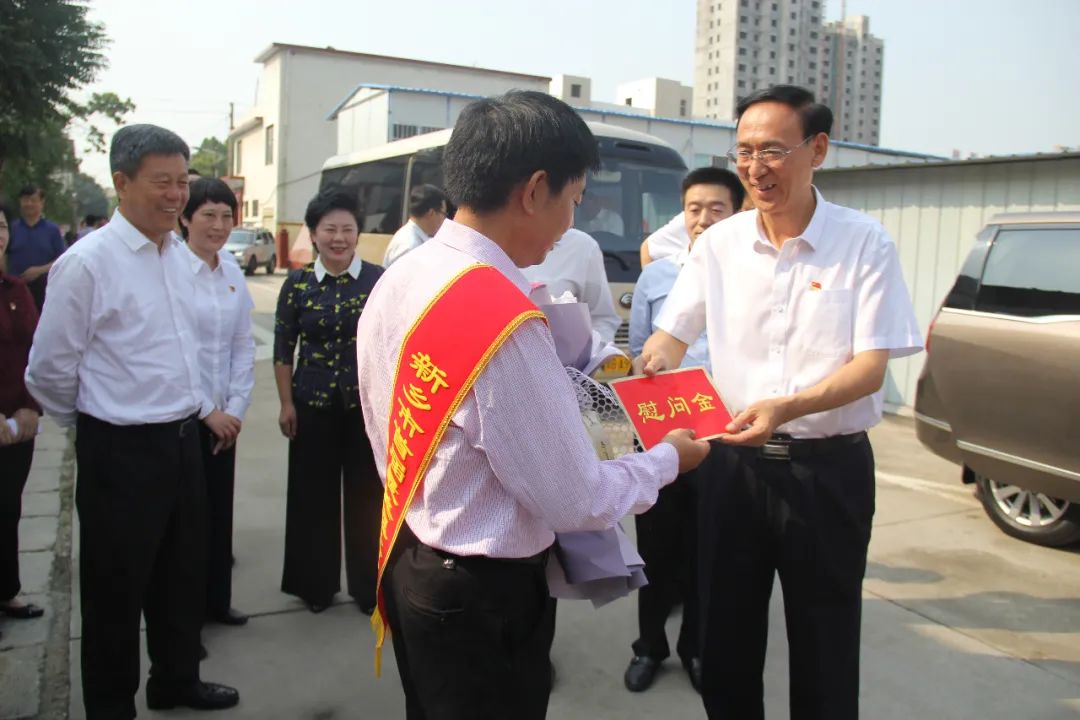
(933, 212)
(364, 122)
(260, 178)
(563, 87)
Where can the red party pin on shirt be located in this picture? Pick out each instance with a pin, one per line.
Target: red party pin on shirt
(815, 285)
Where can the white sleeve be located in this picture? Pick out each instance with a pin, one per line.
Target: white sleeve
(884, 317)
(597, 294)
(241, 359)
(683, 314)
(62, 336)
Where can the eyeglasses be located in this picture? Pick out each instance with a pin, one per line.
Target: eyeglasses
(772, 157)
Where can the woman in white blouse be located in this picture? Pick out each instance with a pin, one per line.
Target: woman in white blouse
(222, 312)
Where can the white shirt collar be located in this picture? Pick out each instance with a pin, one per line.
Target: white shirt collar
(133, 237)
(419, 230)
(353, 269)
(812, 233)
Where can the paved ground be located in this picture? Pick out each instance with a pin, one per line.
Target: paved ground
(960, 621)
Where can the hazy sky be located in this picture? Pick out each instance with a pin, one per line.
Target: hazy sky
(982, 76)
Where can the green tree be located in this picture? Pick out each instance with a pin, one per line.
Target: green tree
(48, 50)
(210, 157)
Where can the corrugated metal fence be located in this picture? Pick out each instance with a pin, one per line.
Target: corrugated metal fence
(934, 211)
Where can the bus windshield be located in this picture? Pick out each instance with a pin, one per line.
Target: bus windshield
(624, 203)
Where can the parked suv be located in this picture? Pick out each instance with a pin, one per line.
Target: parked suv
(1000, 391)
(253, 248)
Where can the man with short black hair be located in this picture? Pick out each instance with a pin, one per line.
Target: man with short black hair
(804, 304)
(475, 425)
(115, 355)
(35, 243)
(667, 532)
(427, 210)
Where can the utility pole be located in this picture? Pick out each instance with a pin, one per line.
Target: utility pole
(231, 125)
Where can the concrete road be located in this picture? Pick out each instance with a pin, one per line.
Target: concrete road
(959, 620)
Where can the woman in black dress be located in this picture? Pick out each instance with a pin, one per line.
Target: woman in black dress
(329, 452)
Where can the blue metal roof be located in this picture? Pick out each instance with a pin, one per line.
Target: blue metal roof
(618, 113)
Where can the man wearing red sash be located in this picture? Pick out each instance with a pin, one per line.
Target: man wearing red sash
(475, 426)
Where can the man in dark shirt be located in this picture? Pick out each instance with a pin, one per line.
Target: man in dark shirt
(35, 243)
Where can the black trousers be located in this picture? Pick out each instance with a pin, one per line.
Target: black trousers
(15, 463)
(220, 473)
(809, 520)
(667, 542)
(472, 635)
(330, 453)
(141, 499)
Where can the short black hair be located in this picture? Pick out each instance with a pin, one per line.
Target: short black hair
(31, 189)
(328, 200)
(6, 212)
(207, 190)
(90, 219)
(193, 171)
(816, 117)
(501, 141)
(132, 143)
(423, 198)
(716, 176)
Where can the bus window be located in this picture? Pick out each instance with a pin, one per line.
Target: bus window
(625, 201)
(378, 187)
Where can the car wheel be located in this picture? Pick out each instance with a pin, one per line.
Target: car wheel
(270, 265)
(251, 266)
(1031, 516)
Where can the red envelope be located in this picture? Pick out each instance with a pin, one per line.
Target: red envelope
(672, 400)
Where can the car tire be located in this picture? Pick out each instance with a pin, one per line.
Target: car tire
(271, 264)
(251, 266)
(1010, 508)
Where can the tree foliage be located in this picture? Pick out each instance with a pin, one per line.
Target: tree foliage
(210, 158)
(48, 50)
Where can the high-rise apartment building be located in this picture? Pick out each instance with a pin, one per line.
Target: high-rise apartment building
(851, 83)
(745, 45)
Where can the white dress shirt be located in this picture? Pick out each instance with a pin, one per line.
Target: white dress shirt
(605, 220)
(652, 288)
(780, 321)
(116, 338)
(516, 464)
(576, 264)
(408, 237)
(222, 308)
(669, 240)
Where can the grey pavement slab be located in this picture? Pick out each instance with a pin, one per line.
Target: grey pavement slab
(37, 533)
(35, 504)
(20, 681)
(35, 570)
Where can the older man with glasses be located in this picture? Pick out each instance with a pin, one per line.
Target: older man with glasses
(804, 304)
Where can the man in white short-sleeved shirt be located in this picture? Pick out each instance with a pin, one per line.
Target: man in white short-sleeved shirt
(804, 304)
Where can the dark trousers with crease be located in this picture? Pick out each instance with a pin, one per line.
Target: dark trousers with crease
(667, 542)
(472, 635)
(15, 461)
(331, 457)
(808, 520)
(141, 499)
(220, 472)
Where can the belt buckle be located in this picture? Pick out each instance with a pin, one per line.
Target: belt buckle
(776, 450)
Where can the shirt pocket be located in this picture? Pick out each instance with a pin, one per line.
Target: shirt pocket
(825, 322)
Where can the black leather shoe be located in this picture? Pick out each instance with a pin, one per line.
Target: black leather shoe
(200, 696)
(317, 607)
(693, 669)
(641, 673)
(231, 616)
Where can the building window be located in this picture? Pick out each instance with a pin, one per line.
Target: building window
(742, 68)
(772, 55)
(575, 90)
(773, 22)
(815, 4)
(400, 131)
(742, 51)
(269, 144)
(793, 16)
(629, 101)
(813, 35)
(682, 108)
(813, 49)
(791, 46)
(742, 83)
(772, 38)
(772, 71)
(237, 154)
(246, 206)
(742, 36)
(813, 65)
(255, 207)
(742, 18)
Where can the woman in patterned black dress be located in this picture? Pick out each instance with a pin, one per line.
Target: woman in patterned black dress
(329, 453)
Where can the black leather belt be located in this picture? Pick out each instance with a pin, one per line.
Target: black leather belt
(786, 448)
(181, 428)
(448, 557)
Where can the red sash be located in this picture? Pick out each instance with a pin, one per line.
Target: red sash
(441, 356)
